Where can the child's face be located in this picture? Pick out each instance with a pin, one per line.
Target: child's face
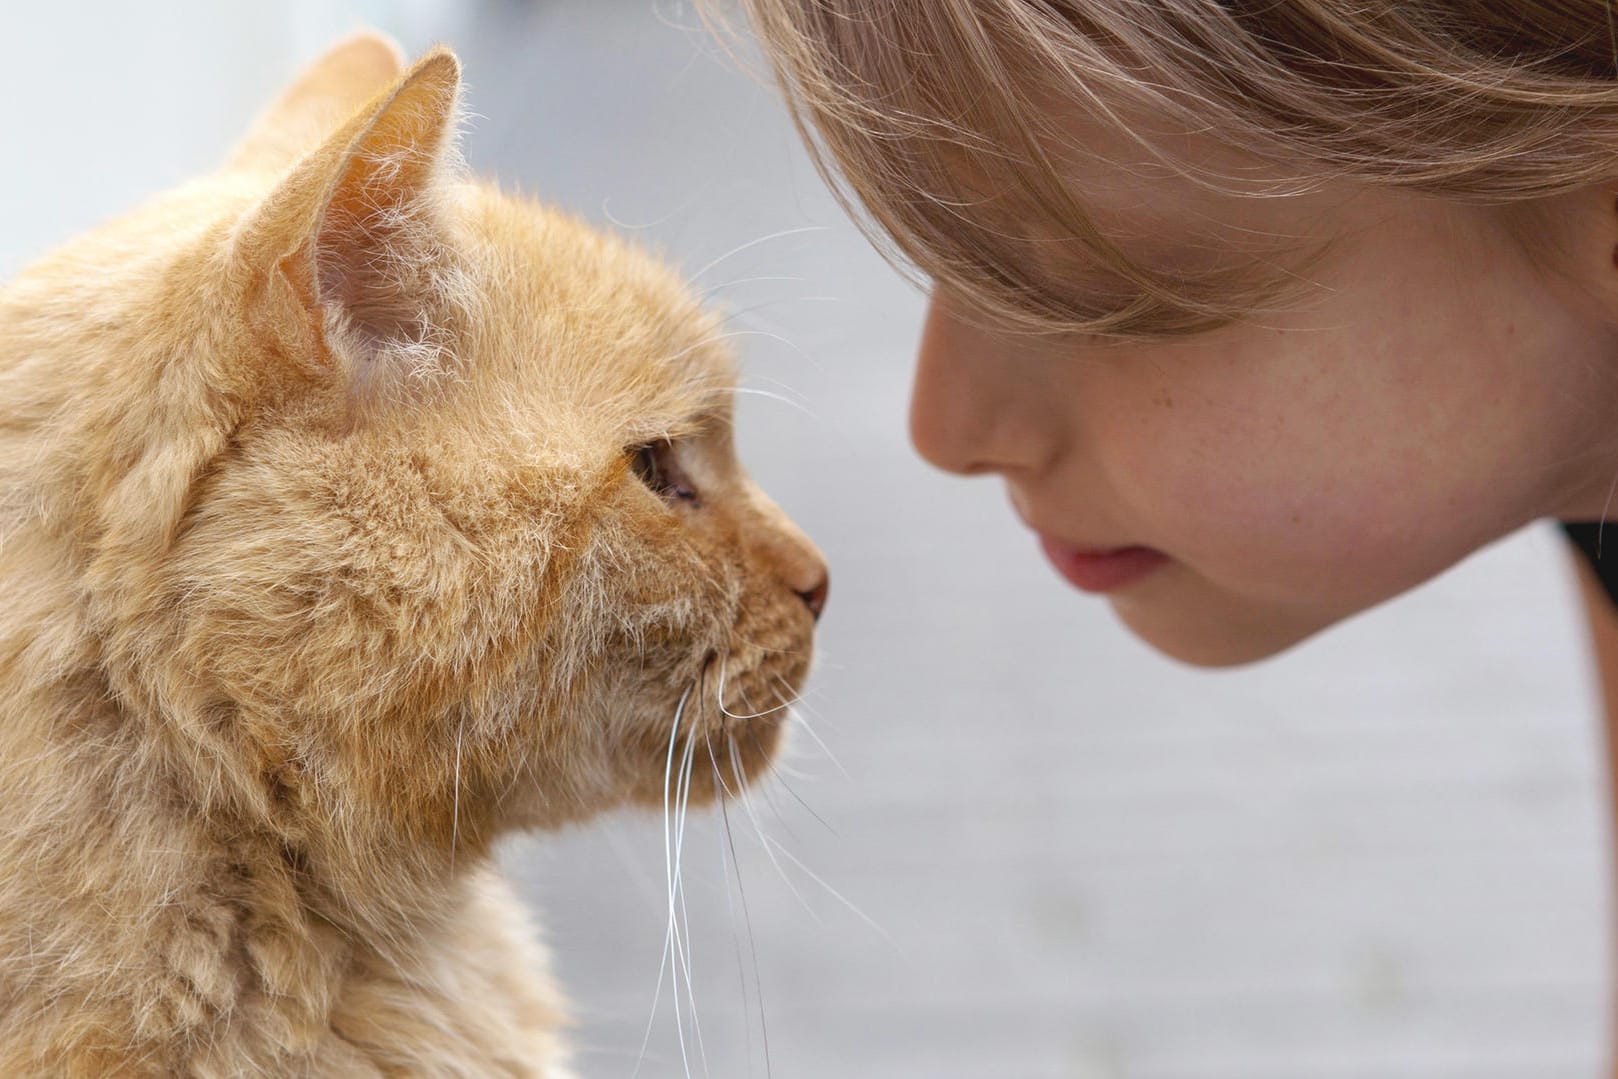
(1436, 391)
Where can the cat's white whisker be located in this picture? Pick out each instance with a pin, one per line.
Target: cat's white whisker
(606, 211)
(766, 334)
(739, 248)
(668, 862)
(742, 312)
(800, 719)
(750, 391)
(704, 294)
(720, 700)
(714, 339)
(732, 866)
(455, 813)
(682, 938)
(746, 801)
(833, 892)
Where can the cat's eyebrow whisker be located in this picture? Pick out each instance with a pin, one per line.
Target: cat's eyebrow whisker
(771, 380)
(739, 248)
(742, 312)
(606, 211)
(751, 391)
(802, 355)
(725, 335)
(711, 289)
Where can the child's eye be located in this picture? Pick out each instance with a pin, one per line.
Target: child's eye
(656, 467)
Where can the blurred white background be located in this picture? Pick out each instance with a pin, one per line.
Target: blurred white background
(1381, 855)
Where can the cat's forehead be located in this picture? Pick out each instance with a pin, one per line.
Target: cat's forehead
(581, 318)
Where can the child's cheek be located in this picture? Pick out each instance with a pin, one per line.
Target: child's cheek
(1276, 506)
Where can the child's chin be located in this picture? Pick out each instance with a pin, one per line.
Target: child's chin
(1206, 640)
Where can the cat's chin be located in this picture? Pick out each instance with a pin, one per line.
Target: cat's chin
(709, 765)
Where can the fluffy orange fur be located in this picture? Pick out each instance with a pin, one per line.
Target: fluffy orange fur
(351, 514)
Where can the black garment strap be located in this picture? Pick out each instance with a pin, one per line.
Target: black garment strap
(1600, 547)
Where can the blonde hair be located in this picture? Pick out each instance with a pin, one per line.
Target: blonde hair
(937, 122)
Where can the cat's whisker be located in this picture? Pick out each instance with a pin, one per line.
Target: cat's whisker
(741, 312)
(756, 715)
(782, 771)
(802, 355)
(800, 718)
(771, 845)
(720, 700)
(698, 31)
(774, 651)
(739, 248)
(833, 892)
(733, 864)
(704, 294)
(685, 914)
(668, 862)
(807, 808)
(614, 219)
(750, 391)
(714, 339)
(746, 801)
(683, 954)
(678, 940)
(455, 813)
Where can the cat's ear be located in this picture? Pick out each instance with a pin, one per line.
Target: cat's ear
(329, 90)
(351, 246)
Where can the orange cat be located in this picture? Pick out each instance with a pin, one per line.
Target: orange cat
(351, 514)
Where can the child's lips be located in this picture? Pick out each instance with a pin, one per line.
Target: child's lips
(1101, 570)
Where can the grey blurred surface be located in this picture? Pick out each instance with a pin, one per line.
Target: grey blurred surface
(1381, 855)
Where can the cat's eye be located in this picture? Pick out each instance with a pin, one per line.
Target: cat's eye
(656, 467)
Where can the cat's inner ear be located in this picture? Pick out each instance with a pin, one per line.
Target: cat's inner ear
(357, 229)
(328, 92)
(386, 275)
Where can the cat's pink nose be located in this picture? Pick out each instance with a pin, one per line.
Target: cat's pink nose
(815, 598)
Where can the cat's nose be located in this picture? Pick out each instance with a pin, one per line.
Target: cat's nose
(815, 598)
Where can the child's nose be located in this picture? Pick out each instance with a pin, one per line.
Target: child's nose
(972, 409)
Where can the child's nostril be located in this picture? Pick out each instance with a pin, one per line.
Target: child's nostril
(815, 598)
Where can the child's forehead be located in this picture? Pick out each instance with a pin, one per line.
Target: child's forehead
(1171, 202)
(1151, 181)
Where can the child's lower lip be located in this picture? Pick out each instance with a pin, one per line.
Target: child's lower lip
(1101, 571)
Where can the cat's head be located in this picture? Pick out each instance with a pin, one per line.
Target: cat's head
(423, 503)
